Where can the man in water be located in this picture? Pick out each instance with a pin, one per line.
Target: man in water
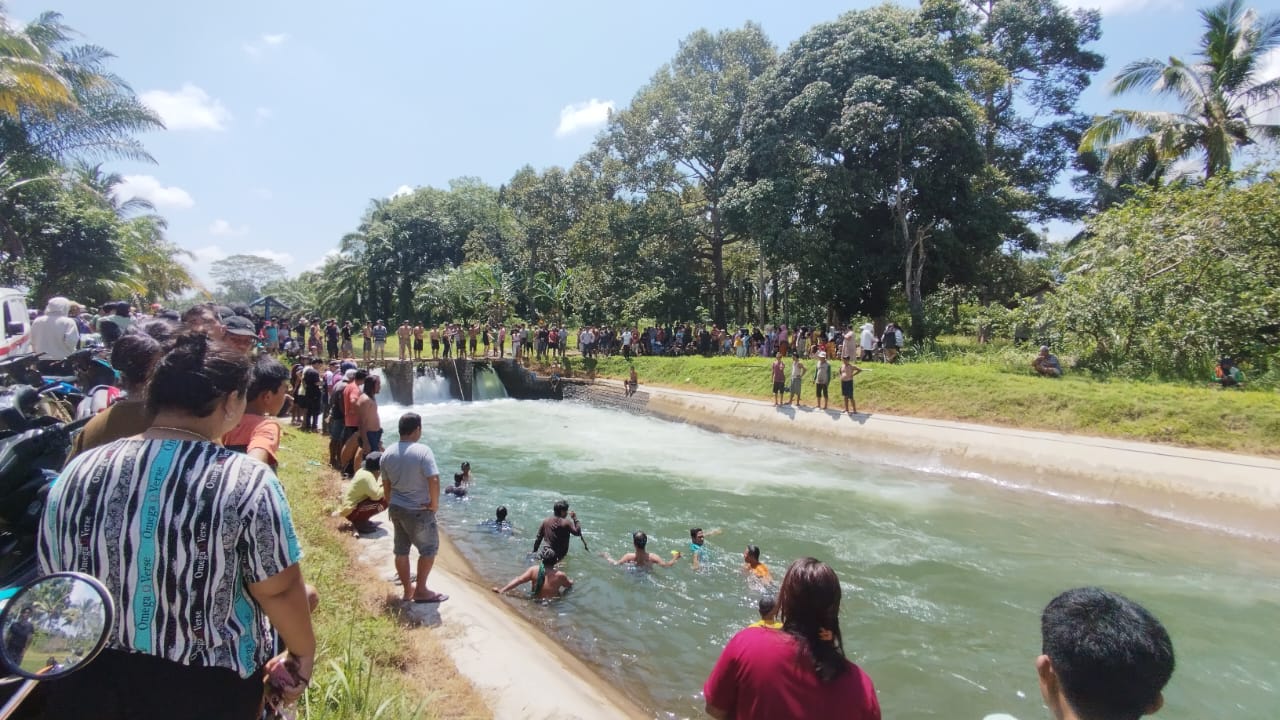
(457, 490)
(768, 611)
(1104, 657)
(555, 530)
(698, 545)
(412, 483)
(753, 566)
(640, 557)
(547, 581)
(499, 523)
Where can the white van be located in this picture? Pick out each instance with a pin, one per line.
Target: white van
(17, 324)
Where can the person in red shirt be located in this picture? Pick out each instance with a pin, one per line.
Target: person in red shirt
(258, 433)
(800, 671)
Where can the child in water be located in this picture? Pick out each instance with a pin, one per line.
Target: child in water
(457, 490)
(547, 581)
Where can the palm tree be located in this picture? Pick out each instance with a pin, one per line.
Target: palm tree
(27, 81)
(1223, 97)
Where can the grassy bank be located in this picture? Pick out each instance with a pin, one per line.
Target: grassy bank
(1000, 392)
(369, 665)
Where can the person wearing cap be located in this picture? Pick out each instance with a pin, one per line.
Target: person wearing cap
(821, 379)
(364, 496)
(1046, 363)
(240, 333)
(1227, 374)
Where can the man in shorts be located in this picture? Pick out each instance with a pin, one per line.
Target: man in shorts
(797, 381)
(417, 341)
(847, 371)
(1104, 657)
(403, 334)
(412, 482)
(779, 371)
(821, 379)
(379, 342)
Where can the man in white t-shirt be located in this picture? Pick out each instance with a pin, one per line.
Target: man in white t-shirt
(868, 341)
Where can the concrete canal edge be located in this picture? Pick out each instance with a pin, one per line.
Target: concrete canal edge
(1235, 493)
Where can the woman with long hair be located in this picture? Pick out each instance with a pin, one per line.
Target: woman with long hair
(196, 546)
(800, 671)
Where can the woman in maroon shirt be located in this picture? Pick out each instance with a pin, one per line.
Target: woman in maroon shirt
(799, 671)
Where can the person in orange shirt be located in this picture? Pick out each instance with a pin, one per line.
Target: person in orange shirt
(258, 434)
(752, 564)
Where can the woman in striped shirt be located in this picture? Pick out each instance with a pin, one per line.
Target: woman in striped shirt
(197, 548)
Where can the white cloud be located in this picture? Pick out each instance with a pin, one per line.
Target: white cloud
(1268, 111)
(583, 116)
(150, 189)
(190, 108)
(222, 228)
(401, 192)
(266, 41)
(1121, 7)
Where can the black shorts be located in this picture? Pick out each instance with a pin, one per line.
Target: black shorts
(348, 431)
(846, 388)
(417, 343)
(779, 387)
(435, 344)
(119, 685)
(821, 388)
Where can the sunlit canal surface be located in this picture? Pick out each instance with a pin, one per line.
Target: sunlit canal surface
(944, 578)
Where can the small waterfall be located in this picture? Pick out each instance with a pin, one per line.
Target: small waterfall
(487, 385)
(431, 387)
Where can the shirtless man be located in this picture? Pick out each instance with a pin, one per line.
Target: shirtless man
(640, 557)
(402, 334)
(370, 426)
(434, 335)
(555, 530)
(547, 581)
(417, 341)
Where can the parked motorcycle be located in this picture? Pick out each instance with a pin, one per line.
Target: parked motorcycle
(51, 628)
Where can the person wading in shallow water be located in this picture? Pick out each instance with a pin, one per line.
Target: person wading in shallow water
(555, 530)
(547, 581)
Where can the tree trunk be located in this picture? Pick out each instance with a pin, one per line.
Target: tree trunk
(762, 312)
(717, 269)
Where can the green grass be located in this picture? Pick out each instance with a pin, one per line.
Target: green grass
(362, 656)
(1000, 391)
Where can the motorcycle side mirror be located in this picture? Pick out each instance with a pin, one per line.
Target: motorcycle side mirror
(55, 626)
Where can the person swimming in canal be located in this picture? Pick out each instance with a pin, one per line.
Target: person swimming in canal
(751, 563)
(458, 490)
(768, 607)
(698, 545)
(547, 582)
(466, 474)
(499, 523)
(640, 557)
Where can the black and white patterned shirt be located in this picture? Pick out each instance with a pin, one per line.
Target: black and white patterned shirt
(176, 530)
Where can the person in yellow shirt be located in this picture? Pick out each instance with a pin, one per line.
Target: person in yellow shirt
(364, 495)
(768, 613)
(752, 564)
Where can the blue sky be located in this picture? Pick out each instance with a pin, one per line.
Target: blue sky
(286, 117)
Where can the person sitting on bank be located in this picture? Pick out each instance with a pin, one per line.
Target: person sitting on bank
(1103, 657)
(364, 496)
(768, 613)
(547, 581)
(1227, 374)
(1046, 363)
(640, 557)
(457, 490)
(751, 563)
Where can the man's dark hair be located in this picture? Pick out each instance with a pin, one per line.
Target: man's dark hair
(457, 478)
(370, 385)
(767, 603)
(502, 513)
(754, 551)
(561, 508)
(693, 533)
(1112, 657)
(373, 461)
(266, 376)
(409, 422)
(195, 374)
(548, 557)
(361, 374)
(639, 539)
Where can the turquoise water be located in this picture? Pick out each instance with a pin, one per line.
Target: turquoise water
(944, 577)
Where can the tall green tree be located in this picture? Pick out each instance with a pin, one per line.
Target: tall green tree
(241, 278)
(1223, 97)
(678, 132)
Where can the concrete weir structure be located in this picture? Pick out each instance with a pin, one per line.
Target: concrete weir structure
(518, 382)
(1236, 493)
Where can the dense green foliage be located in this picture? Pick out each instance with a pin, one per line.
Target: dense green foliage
(60, 109)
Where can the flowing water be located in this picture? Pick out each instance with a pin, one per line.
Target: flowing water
(486, 385)
(944, 577)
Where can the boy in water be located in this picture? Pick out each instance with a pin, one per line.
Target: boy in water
(640, 557)
(768, 610)
(457, 490)
(548, 582)
(753, 566)
(1104, 657)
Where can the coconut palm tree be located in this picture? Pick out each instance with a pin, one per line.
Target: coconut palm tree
(1224, 99)
(28, 83)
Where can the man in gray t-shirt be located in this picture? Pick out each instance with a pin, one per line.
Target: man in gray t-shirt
(411, 481)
